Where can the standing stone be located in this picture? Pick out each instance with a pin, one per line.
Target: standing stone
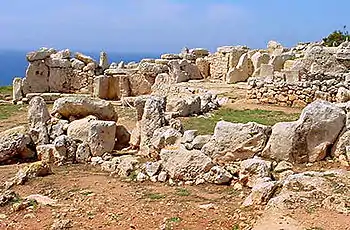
(124, 85)
(100, 87)
(59, 80)
(266, 71)
(104, 64)
(260, 58)
(242, 71)
(17, 93)
(37, 77)
(203, 66)
(152, 119)
(38, 115)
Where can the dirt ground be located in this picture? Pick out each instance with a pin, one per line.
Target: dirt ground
(91, 199)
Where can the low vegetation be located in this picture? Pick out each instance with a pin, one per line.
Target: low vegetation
(206, 125)
(8, 110)
(337, 37)
(6, 89)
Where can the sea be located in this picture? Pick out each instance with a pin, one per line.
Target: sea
(14, 63)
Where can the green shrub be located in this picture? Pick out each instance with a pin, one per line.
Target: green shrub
(336, 38)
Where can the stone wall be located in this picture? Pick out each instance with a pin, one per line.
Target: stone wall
(316, 72)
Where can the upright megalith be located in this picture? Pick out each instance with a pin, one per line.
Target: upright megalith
(38, 116)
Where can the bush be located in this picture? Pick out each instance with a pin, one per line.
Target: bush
(336, 38)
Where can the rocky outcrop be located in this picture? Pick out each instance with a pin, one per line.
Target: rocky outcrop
(235, 141)
(309, 138)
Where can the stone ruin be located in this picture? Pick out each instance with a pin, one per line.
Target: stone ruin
(277, 75)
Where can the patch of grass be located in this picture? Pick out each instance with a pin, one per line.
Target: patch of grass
(175, 219)
(182, 192)
(235, 227)
(7, 111)
(6, 89)
(206, 125)
(155, 196)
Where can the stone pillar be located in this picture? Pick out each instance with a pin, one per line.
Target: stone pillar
(17, 89)
(101, 87)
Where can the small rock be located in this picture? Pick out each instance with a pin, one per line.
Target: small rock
(162, 177)
(283, 166)
(152, 168)
(61, 224)
(141, 177)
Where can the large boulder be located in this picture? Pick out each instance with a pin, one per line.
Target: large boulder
(79, 107)
(182, 164)
(308, 139)
(15, 143)
(236, 141)
(100, 135)
(184, 106)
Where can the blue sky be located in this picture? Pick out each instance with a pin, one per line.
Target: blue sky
(165, 25)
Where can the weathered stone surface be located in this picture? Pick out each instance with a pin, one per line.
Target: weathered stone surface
(101, 137)
(59, 79)
(218, 175)
(200, 140)
(140, 84)
(104, 64)
(126, 165)
(343, 51)
(165, 136)
(342, 147)
(328, 190)
(17, 91)
(38, 116)
(77, 64)
(274, 48)
(152, 119)
(36, 169)
(199, 52)
(254, 171)
(79, 129)
(242, 71)
(260, 58)
(203, 66)
(185, 165)
(184, 106)
(39, 55)
(46, 153)
(278, 61)
(261, 193)
(15, 143)
(343, 95)
(162, 84)
(152, 168)
(82, 106)
(152, 69)
(235, 141)
(189, 136)
(58, 63)
(62, 54)
(37, 78)
(83, 153)
(65, 149)
(170, 56)
(308, 139)
(84, 58)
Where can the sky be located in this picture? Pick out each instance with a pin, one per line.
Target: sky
(153, 26)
